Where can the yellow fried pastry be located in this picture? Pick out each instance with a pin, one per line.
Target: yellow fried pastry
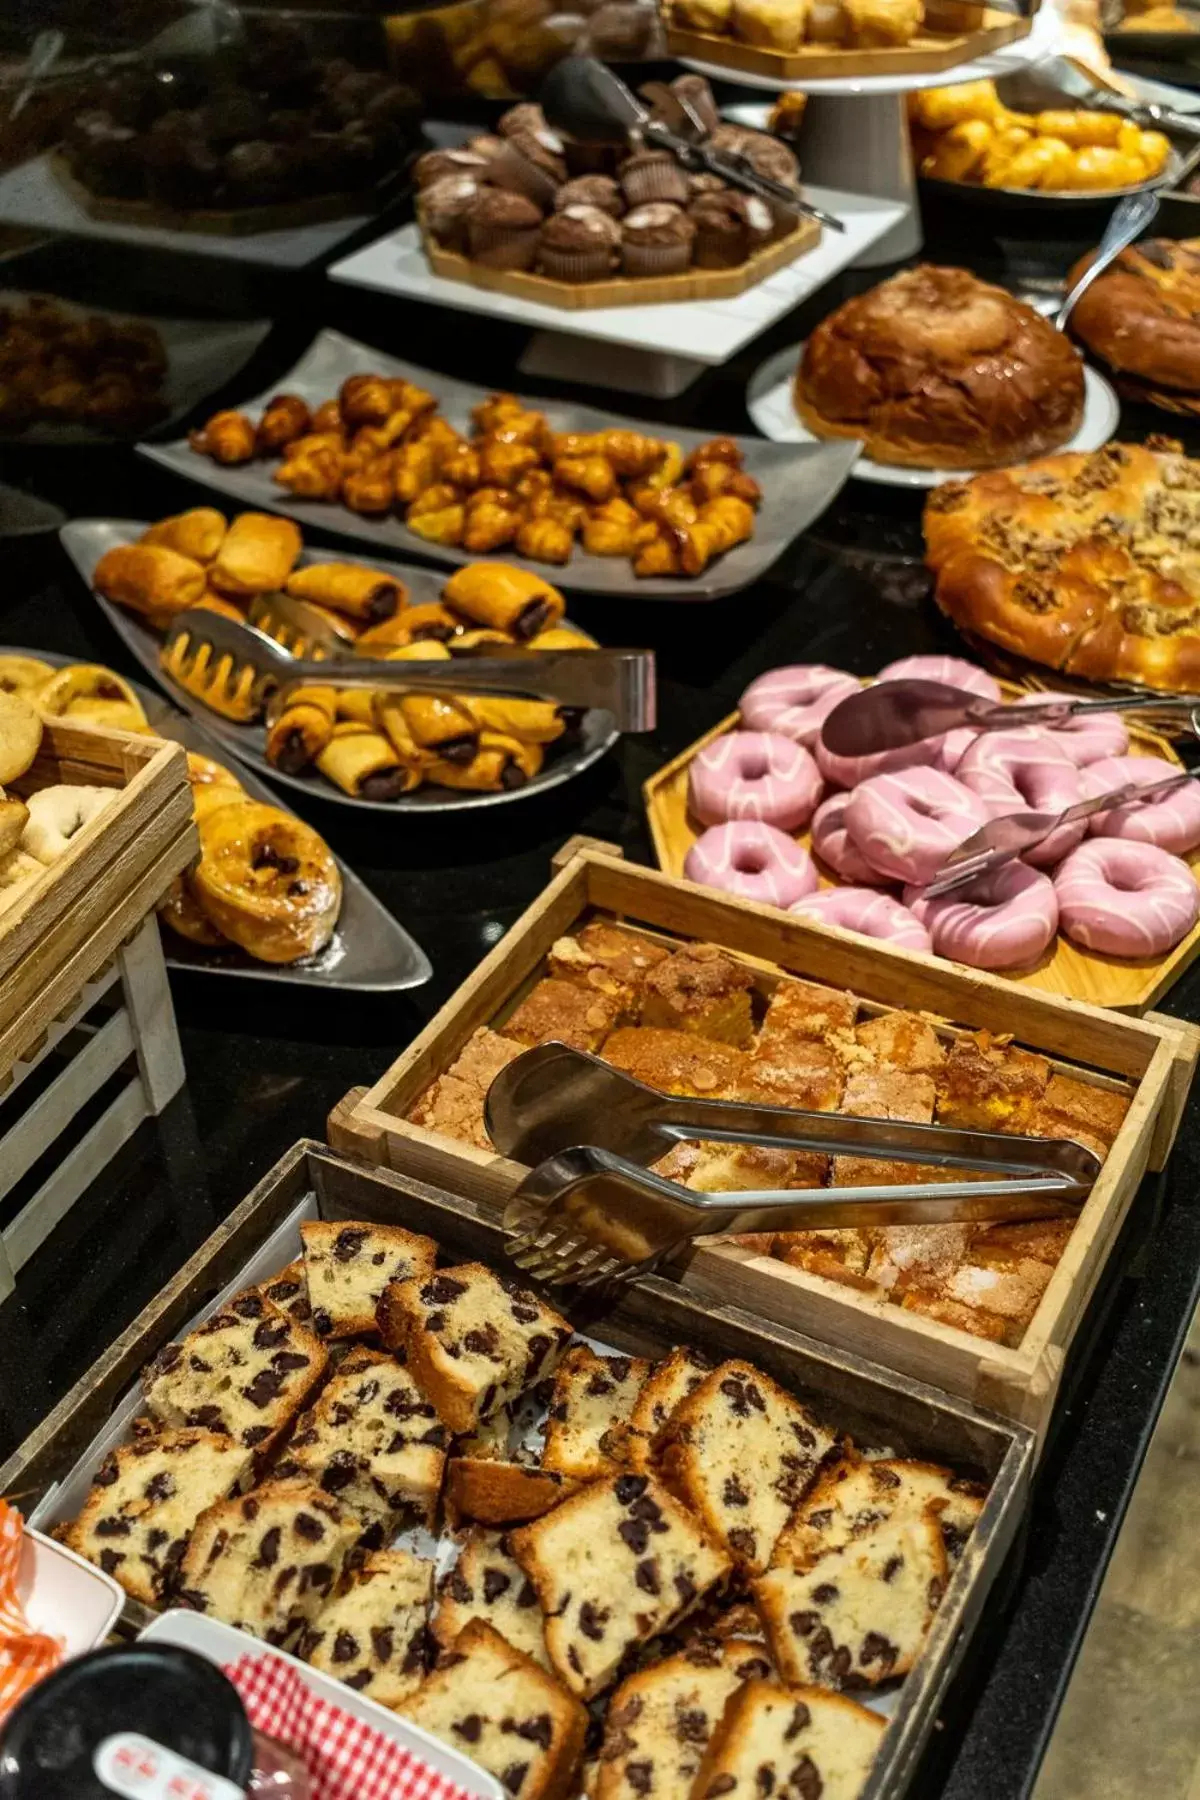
(149, 579)
(257, 555)
(508, 599)
(198, 533)
(23, 674)
(1080, 127)
(938, 109)
(958, 153)
(301, 728)
(267, 881)
(363, 763)
(349, 588)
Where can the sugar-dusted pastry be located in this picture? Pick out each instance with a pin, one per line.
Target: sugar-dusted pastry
(510, 599)
(348, 1265)
(258, 553)
(805, 1011)
(676, 1062)
(149, 579)
(565, 1013)
(606, 958)
(198, 533)
(987, 1086)
(770, 24)
(350, 588)
(700, 989)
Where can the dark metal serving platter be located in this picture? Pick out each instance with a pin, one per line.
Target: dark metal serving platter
(369, 952)
(798, 480)
(86, 540)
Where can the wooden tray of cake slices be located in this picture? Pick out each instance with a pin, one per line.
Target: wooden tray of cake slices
(881, 1411)
(1068, 969)
(1141, 1069)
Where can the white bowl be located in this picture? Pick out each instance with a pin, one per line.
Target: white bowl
(65, 1596)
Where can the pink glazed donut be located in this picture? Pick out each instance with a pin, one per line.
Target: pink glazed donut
(852, 771)
(753, 860)
(1026, 770)
(795, 701)
(832, 843)
(1007, 921)
(754, 775)
(1172, 823)
(906, 825)
(1087, 739)
(1126, 899)
(952, 670)
(870, 914)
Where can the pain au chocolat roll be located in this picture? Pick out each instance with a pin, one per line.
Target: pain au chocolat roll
(935, 369)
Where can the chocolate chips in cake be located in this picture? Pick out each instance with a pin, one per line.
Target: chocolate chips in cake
(372, 1634)
(347, 1266)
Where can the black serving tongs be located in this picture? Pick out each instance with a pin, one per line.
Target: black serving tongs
(584, 100)
(591, 1211)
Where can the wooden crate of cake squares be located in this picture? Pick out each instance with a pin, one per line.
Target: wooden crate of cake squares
(1119, 1084)
(846, 1402)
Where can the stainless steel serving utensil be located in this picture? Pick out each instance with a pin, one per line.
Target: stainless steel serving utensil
(302, 629)
(1129, 219)
(582, 98)
(889, 715)
(619, 682)
(1044, 85)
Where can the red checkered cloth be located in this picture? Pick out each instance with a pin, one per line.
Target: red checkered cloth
(346, 1759)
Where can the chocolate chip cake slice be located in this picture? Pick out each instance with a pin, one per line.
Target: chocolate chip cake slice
(495, 1705)
(494, 1492)
(660, 1721)
(474, 1340)
(289, 1291)
(797, 1744)
(858, 1494)
(145, 1499)
(347, 1268)
(269, 1561)
(488, 1583)
(740, 1452)
(616, 1564)
(372, 1635)
(588, 1422)
(375, 1442)
(669, 1385)
(245, 1372)
(859, 1615)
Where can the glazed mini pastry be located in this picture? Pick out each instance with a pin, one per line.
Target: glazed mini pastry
(963, 133)
(934, 368)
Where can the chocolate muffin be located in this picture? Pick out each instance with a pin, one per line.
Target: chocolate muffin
(730, 227)
(656, 240)
(600, 191)
(528, 116)
(436, 164)
(578, 244)
(531, 163)
(502, 229)
(445, 206)
(695, 92)
(650, 175)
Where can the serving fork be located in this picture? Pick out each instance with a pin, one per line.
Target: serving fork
(619, 682)
(590, 1211)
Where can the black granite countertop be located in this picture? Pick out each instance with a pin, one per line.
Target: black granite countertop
(265, 1065)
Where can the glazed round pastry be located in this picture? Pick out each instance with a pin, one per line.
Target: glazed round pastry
(1021, 771)
(831, 841)
(868, 913)
(936, 369)
(906, 825)
(796, 700)
(756, 861)
(267, 881)
(1172, 823)
(953, 671)
(852, 771)
(1142, 316)
(1084, 739)
(1006, 921)
(754, 775)
(1125, 899)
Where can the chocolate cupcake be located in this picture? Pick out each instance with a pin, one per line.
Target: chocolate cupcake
(528, 116)
(650, 175)
(696, 94)
(502, 229)
(730, 227)
(656, 240)
(578, 244)
(600, 191)
(435, 165)
(445, 207)
(704, 183)
(770, 157)
(486, 145)
(531, 163)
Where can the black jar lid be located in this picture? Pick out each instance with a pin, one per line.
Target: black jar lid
(171, 1696)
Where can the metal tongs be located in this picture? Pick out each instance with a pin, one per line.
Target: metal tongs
(584, 100)
(620, 682)
(591, 1212)
(1045, 85)
(890, 715)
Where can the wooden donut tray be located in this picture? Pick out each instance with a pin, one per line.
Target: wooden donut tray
(582, 296)
(53, 1466)
(953, 33)
(1155, 1059)
(1066, 968)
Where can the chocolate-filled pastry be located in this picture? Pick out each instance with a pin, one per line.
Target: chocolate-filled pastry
(530, 721)
(228, 437)
(501, 764)
(149, 579)
(258, 554)
(348, 588)
(284, 419)
(302, 728)
(438, 723)
(429, 620)
(363, 764)
(513, 600)
(198, 533)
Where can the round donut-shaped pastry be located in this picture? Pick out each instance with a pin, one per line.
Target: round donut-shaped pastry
(1006, 920)
(267, 881)
(952, 671)
(906, 825)
(754, 775)
(1085, 740)
(831, 841)
(754, 860)
(870, 914)
(1026, 770)
(1126, 899)
(852, 771)
(1172, 823)
(795, 701)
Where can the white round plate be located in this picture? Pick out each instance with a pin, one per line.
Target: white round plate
(849, 86)
(769, 403)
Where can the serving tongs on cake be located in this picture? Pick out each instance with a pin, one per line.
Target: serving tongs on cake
(583, 99)
(619, 682)
(890, 715)
(591, 1211)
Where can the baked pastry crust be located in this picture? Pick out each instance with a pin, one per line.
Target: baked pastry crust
(936, 369)
(1143, 314)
